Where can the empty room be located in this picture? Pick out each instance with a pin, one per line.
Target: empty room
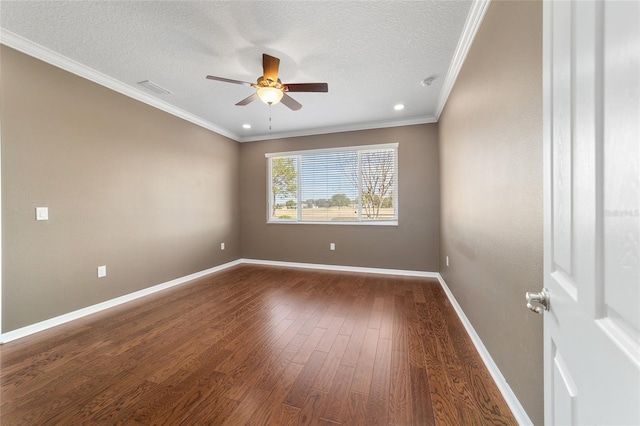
(320, 212)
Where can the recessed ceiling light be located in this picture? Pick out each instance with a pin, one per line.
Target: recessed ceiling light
(246, 126)
(398, 107)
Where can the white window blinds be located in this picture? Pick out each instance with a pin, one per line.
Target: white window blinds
(347, 185)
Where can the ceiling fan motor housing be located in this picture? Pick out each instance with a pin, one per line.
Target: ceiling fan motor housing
(267, 82)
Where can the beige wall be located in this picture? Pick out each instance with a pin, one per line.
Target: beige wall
(491, 192)
(413, 244)
(128, 186)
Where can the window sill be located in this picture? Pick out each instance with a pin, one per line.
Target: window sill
(364, 223)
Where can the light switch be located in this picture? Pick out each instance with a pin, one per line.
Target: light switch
(42, 213)
(332, 246)
(102, 271)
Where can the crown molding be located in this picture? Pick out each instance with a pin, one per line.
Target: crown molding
(338, 129)
(474, 20)
(37, 51)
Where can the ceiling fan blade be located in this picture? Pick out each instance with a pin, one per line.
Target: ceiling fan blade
(270, 66)
(290, 102)
(248, 100)
(228, 80)
(307, 87)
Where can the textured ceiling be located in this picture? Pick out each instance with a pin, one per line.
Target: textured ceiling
(373, 55)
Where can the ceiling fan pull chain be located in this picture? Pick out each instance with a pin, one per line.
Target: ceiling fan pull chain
(269, 117)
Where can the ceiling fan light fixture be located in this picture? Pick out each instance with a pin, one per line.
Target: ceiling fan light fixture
(270, 95)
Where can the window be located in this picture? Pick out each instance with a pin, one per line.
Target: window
(355, 185)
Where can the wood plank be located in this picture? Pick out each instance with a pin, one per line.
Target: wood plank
(375, 320)
(456, 381)
(269, 376)
(442, 397)
(310, 411)
(350, 320)
(331, 313)
(309, 346)
(284, 415)
(422, 410)
(352, 353)
(357, 413)
(268, 409)
(377, 411)
(313, 321)
(335, 407)
(302, 386)
(212, 410)
(386, 320)
(245, 409)
(399, 324)
(400, 390)
(292, 330)
(333, 328)
(364, 369)
(329, 369)
(249, 378)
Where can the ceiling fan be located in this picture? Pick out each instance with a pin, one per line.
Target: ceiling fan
(270, 89)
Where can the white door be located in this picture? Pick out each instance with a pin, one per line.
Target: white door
(592, 212)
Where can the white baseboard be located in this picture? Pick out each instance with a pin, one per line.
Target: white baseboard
(360, 269)
(512, 401)
(52, 322)
(515, 406)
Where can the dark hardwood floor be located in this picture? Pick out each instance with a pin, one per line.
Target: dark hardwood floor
(258, 345)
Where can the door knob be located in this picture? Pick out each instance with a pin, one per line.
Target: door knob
(538, 302)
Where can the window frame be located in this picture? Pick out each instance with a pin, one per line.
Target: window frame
(298, 216)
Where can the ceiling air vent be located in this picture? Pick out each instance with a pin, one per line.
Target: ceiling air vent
(153, 87)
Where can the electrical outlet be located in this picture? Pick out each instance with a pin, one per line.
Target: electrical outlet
(447, 260)
(221, 246)
(332, 246)
(102, 271)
